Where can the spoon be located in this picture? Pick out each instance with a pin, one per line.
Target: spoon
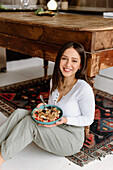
(41, 97)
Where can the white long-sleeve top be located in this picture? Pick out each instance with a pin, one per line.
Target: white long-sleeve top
(78, 104)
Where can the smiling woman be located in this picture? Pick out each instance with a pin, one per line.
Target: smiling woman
(70, 63)
(71, 58)
(69, 91)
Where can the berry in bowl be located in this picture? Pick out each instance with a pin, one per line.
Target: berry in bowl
(47, 116)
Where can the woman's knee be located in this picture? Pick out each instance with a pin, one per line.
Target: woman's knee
(20, 113)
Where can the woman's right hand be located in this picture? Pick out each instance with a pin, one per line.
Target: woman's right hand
(39, 105)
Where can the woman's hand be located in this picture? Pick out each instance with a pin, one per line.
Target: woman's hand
(61, 121)
(39, 105)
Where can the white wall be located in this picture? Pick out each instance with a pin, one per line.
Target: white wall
(104, 81)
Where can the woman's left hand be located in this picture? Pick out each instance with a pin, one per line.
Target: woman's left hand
(61, 121)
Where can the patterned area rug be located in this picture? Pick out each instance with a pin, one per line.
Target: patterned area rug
(100, 141)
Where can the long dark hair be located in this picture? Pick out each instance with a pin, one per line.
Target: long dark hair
(80, 74)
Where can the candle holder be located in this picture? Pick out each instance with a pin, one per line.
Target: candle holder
(52, 5)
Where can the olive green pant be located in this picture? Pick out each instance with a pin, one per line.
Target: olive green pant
(20, 129)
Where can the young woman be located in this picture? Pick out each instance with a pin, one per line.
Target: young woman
(69, 89)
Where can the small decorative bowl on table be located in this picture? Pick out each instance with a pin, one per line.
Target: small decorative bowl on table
(47, 116)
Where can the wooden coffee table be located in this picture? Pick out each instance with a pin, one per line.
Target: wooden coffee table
(42, 36)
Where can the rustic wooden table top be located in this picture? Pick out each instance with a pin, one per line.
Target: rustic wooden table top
(47, 34)
(67, 21)
(57, 29)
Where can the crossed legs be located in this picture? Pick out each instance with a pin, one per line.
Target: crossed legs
(8, 126)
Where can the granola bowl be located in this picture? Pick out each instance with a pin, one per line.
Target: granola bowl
(47, 116)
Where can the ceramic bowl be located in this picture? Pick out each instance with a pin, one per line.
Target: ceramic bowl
(47, 123)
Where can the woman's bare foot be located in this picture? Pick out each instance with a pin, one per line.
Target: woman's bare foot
(1, 160)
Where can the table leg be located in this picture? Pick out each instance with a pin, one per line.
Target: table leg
(92, 82)
(2, 59)
(87, 128)
(45, 68)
